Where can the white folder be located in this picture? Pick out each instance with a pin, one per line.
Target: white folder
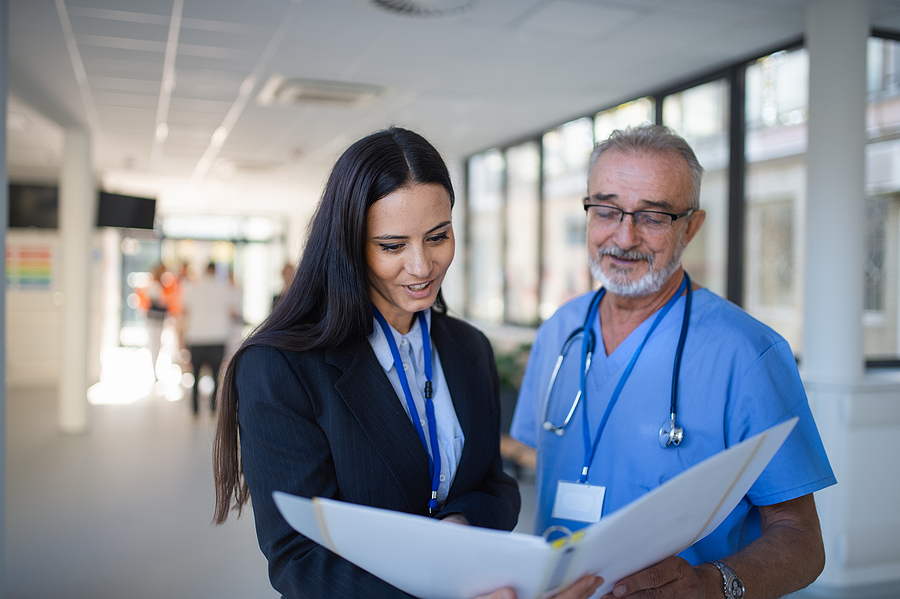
(437, 560)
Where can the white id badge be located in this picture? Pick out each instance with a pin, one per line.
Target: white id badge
(578, 501)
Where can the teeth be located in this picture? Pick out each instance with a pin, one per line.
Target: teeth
(418, 287)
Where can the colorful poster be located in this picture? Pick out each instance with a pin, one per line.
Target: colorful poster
(29, 266)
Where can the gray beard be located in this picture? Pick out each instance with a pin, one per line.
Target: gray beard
(617, 283)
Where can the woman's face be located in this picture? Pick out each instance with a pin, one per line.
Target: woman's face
(409, 246)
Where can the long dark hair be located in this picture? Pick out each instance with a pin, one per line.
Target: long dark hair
(328, 302)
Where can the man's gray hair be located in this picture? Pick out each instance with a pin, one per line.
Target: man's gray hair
(652, 139)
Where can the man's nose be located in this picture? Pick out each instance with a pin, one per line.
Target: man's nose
(626, 234)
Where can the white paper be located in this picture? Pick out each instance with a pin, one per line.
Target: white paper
(439, 560)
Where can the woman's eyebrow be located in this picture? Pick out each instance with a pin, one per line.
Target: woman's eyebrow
(392, 237)
(440, 226)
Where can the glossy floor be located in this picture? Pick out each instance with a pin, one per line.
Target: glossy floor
(121, 511)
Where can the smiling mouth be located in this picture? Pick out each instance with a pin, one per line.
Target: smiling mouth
(629, 256)
(419, 287)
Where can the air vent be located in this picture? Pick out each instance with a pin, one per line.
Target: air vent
(425, 8)
(279, 90)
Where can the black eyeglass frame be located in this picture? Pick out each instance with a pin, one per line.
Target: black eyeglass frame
(633, 215)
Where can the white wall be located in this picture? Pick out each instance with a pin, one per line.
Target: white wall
(33, 316)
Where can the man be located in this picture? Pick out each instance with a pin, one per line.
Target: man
(208, 311)
(736, 378)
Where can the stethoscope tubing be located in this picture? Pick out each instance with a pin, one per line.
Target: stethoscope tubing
(560, 429)
(675, 434)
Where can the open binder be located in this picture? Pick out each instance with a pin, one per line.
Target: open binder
(436, 560)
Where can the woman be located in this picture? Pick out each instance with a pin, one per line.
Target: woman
(314, 403)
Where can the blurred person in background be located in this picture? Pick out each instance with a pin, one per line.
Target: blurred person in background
(287, 277)
(155, 302)
(208, 313)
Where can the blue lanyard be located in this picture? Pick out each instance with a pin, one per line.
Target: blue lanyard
(591, 448)
(434, 456)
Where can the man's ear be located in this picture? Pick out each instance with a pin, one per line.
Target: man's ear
(695, 221)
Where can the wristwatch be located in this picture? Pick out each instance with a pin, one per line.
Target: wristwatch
(732, 583)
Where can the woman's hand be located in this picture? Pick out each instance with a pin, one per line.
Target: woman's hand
(455, 518)
(582, 588)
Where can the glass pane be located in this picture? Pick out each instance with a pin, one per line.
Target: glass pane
(876, 213)
(700, 115)
(486, 236)
(523, 233)
(775, 191)
(565, 271)
(775, 274)
(624, 115)
(882, 271)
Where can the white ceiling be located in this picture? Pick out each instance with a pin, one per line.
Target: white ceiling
(500, 71)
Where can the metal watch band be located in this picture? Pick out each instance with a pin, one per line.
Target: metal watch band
(732, 584)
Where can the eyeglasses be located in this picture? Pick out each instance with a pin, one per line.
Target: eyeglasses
(646, 221)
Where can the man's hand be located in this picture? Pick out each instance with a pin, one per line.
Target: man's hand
(788, 556)
(672, 577)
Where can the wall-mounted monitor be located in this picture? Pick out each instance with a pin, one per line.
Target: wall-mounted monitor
(37, 206)
(116, 210)
(33, 206)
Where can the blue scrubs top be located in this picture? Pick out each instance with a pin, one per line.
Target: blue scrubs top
(738, 378)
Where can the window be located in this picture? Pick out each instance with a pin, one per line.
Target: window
(523, 233)
(485, 214)
(775, 191)
(527, 247)
(622, 116)
(565, 273)
(701, 116)
(882, 271)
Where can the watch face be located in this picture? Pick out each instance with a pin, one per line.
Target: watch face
(737, 589)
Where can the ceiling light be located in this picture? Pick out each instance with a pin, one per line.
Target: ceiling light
(279, 90)
(219, 136)
(162, 132)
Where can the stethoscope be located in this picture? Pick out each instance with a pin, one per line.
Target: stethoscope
(670, 433)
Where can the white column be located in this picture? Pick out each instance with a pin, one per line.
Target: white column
(832, 335)
(77, 215)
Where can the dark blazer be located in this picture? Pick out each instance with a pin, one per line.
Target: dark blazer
(329, 424)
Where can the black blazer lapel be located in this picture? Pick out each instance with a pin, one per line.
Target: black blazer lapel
(370, 397)
(464, 370)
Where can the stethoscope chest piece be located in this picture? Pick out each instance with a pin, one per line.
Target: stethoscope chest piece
(670, 434)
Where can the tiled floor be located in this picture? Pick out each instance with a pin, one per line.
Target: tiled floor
(122, 511)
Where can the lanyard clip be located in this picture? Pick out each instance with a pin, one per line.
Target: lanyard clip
(427, 389)
(432, 505)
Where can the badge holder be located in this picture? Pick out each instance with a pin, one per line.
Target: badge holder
(577, 501)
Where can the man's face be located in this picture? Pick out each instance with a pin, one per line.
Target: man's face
(627, 261)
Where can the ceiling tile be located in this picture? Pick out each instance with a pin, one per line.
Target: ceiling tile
(567, 19)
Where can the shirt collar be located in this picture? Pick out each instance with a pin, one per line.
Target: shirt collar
(414, 337)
